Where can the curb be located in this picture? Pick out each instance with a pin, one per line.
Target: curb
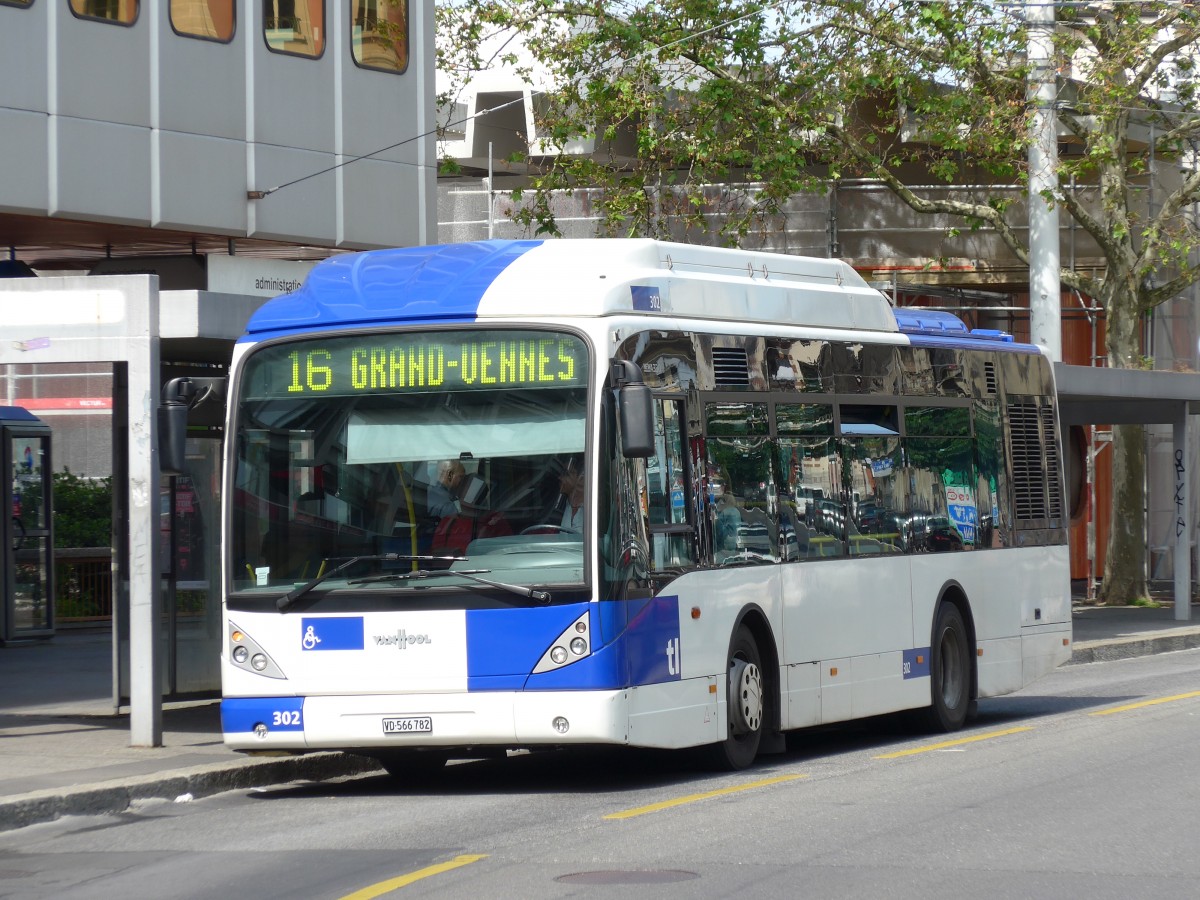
(1140, 645)
(116, 797)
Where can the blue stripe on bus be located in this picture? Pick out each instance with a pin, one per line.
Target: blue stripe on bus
(503, 646)
(413, 284)
(916, 663)
(648, 652)
(239, 715)
(511, 641)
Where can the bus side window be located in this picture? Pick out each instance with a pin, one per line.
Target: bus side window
(942, 481)
(806, 469)
(744, 501)
(672, 534)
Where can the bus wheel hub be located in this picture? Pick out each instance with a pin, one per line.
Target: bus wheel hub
(745, 697)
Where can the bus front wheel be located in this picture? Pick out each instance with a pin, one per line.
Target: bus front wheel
(746, 703)
(949, 671)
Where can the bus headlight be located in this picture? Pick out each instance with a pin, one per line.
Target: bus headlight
(246, 654)
(576, 637)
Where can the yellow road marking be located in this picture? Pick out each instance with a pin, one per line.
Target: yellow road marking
(692, 798)
(1117, 709)
(392, 884)
(956, 743)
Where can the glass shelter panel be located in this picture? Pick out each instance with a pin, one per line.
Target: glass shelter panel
(31, 589)
(27, 581)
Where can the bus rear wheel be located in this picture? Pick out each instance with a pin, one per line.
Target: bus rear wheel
(746, 702)
(949, 671)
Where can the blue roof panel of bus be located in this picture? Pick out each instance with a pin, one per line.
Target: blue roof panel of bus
(435, 283)
(936, 329)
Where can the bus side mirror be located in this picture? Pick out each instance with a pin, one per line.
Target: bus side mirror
(172, 437)
(180, 395)
(636, 410)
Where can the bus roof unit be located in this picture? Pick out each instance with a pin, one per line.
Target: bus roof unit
(529, 279)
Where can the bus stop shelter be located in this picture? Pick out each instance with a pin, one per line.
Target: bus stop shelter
(126, 321)
(1091, 396)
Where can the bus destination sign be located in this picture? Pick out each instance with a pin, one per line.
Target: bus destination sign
(419, 362)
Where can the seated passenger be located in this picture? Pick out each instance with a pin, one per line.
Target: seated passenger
(472, 520)
(442, 494)
(571, 485)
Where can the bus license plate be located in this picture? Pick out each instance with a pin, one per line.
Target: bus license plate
(408, 725)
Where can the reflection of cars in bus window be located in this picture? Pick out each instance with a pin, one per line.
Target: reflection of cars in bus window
(941, 535)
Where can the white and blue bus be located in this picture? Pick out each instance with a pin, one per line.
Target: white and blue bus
(529, 494)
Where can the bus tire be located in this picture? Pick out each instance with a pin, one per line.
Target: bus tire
(746, 704)
(949, 671)
(411, 765)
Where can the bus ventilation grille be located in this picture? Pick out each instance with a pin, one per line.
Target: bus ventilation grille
(730, 366)
(1036, 483)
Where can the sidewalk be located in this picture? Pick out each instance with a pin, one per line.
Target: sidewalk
(62, 752)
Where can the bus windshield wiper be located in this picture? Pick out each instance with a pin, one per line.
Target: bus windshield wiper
(296, 593)
(472, 574)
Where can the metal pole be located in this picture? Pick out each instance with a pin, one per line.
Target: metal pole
(491, 201)
(1045, 291)
(1183, 516)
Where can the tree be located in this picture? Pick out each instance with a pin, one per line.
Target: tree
(770, 99)
(82, 510)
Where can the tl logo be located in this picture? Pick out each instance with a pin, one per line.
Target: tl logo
(674, 663)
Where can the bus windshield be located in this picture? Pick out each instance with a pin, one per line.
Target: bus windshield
(460, 448)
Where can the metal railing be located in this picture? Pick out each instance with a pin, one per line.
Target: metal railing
(83, 585)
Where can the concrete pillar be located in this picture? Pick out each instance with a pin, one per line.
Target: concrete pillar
(145, 563)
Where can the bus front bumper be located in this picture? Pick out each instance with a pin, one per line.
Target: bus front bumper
(501, 718)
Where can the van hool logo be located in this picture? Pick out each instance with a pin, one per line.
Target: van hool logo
(401, 639)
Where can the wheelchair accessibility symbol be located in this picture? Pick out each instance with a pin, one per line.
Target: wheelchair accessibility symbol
(310, 640)
(332, 633)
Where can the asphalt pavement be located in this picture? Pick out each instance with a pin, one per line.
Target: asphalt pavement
(63, 750)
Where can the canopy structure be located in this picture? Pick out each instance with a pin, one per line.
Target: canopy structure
(126, 321)
(1091, 396)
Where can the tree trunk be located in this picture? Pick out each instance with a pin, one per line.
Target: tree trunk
(1125, 561)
